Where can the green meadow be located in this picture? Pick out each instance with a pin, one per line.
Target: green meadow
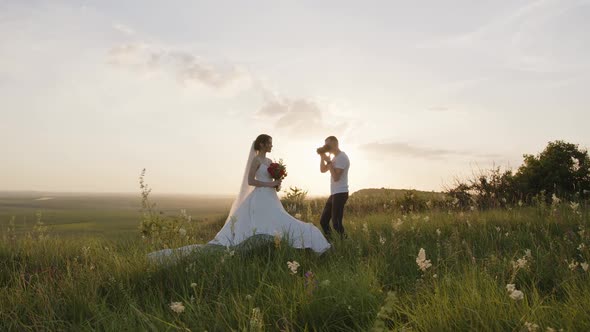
(80, 265)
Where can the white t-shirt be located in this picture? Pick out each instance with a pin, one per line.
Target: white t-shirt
(340, 161)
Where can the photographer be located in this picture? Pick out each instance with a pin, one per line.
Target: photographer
(338, 168)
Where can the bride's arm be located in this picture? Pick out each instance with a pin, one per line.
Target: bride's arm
(252, 173)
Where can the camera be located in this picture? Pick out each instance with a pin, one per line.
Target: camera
(323, 149)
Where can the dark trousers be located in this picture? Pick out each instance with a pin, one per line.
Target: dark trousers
(334, 210)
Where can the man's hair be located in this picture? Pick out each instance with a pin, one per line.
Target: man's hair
(332, 138)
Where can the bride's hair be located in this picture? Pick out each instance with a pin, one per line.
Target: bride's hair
(261, 139)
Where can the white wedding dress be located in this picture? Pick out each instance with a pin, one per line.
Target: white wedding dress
(256, 212)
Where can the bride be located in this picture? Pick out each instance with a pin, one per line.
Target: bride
(257, 211)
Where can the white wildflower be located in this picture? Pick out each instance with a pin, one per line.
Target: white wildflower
(423, 263)
(520, 263)
(382, 240)
(293, 266)
(514, 293)
(438, 232)
(517, 295)
(182, 232)
(177, 307)
(555, 200)
(573, 265)
(510, 288)
(298, 216)
(584, 266)
(581, 247)
(531, 327)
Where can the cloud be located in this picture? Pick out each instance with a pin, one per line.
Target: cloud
(404, 149)
(122, 28)
(535, 37)
(187, 68)
(302, 116)
(438, 109)
(299, 117)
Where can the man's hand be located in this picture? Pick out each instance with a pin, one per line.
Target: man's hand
(325, 163)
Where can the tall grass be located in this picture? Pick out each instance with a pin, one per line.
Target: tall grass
(370, 281)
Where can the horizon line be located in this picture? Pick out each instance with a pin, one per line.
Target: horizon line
(219, 195)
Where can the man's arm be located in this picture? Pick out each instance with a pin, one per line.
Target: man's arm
(324, 164)
(336, 173)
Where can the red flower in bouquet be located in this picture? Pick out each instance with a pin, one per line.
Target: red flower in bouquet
(277, 171)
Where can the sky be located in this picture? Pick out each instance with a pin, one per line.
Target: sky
(419, 93)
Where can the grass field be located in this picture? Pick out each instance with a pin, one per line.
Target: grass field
(519, 269)
(103, 215)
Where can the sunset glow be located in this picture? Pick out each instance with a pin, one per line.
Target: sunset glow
(91, 94)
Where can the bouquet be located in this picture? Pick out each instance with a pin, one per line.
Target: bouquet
(277, 171)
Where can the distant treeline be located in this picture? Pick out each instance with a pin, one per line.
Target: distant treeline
(561, 171)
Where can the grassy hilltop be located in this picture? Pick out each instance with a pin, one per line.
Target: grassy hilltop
(510, 269)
